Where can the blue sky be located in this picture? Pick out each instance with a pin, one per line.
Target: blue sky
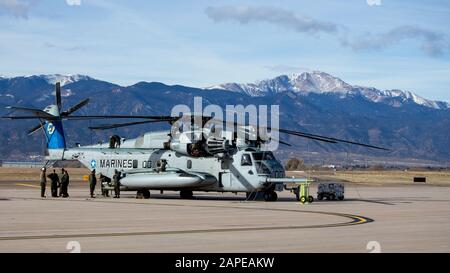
(389, 44)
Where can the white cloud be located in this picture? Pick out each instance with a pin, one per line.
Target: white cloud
(73, 2)
(433, 43)
(374, 2)
(19, 8)
(282, 17)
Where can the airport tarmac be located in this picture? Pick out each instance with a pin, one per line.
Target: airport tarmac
(398, 218)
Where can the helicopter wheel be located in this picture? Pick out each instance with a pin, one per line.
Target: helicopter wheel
(186, 194)
(146, 194)
(270, 196)
(143, 194)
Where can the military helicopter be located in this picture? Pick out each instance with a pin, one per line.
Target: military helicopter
(214, 160)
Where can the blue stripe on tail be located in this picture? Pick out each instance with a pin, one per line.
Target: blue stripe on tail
(55, 135)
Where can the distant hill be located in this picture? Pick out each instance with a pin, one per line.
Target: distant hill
(416, 129)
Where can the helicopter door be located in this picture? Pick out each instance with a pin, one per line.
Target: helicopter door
(224, 179)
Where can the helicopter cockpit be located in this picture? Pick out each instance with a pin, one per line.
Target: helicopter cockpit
(264, 162)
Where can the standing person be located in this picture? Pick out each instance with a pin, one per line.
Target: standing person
(65, 184)
(61, 187)
(54, 178)
(43, 182)
(116, 179)
(92, 182)
(104, 182)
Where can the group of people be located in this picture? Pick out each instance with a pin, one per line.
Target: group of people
(104, 182)
(60, 182)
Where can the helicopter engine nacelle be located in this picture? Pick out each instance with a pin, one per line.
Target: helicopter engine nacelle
(182, 148)
(216, 146)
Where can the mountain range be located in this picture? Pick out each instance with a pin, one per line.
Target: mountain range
(416, 129)
(323, 83)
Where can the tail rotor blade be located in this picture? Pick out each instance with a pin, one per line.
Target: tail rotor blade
(58, 94)
(75, 108)
(37, 113)
(35, 129)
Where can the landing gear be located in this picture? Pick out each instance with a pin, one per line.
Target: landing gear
(251, 196)
(143, 194)
(270, 196)
(304, 199)
(186, 194)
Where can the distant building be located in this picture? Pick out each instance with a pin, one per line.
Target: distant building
(11, 164)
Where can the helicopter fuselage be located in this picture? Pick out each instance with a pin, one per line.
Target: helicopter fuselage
(146, 167)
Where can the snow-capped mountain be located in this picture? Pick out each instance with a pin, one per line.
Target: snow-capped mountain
(65, 79)
(321, 82)
(54, 78)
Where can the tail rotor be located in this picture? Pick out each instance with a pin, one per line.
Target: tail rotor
(50, 119)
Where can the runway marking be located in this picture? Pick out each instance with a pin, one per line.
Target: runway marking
(27, 185)
(354, 220)
(372, 201)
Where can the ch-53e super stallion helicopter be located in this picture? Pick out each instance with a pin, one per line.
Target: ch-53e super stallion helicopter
(166, 160)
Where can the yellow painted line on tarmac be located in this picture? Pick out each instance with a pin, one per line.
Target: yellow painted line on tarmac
(362, 220)
(28, 185)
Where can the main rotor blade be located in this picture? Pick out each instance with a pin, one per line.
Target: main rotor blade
(285, 143)
(247, 133)
(75, 108)
(318, 138)
(311, 136)
(281, 142)
(314, 138)
(302, 134)
(51, 117)
(34, 129)
(58, 95)
(29, 117)
(38, 113)
(162, 118)
(118, 125)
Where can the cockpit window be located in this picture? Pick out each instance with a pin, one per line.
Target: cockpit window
(259, 156)
(261, 168)
(246, 160)
(265, 162)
